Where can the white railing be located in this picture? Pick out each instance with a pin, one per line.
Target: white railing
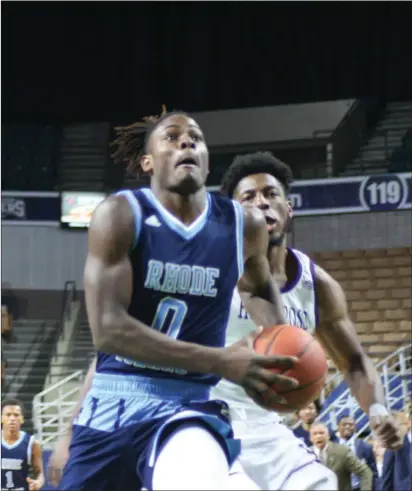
(332, 382)
(394, 365)
(53, 408)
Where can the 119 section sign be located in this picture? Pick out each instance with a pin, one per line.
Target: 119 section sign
(352, 194)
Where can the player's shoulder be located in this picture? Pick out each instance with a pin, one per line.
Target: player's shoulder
(115, 220)
(113, 208)
(323, 279)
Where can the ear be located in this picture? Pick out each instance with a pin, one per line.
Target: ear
(146, 163)
(289, 209)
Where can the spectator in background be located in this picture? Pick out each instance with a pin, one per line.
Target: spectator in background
(340, 459)
(6, 324)
(307, 417)
(397, 465)
(379, 452)
(361, 449)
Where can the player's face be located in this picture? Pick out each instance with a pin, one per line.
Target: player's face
(267, 193)
(308, 414)
(178, 158)
(346, 427)
(12, 418)
(319, 436)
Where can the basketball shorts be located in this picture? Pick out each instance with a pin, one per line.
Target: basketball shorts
(123, 423)
(273, 457)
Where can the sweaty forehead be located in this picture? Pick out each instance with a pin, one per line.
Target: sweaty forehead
(256, 182)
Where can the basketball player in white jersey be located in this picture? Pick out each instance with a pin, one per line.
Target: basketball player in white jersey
(271, 455)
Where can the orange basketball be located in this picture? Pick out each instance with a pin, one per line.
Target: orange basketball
(310, 370)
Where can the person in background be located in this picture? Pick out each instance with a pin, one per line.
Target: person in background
(361, 449)
(397, 465)
(20, 452)
(340, 459)
(308, 416)
(6, 324)
(379, 452)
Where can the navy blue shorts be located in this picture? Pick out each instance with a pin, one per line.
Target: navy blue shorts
(123, 422)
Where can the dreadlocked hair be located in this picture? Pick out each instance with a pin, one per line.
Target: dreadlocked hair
(131, 141)
(255, 163)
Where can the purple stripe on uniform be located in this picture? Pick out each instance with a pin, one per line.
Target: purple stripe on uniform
(312, 271)
(289, 286)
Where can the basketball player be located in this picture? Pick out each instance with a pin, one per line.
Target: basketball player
(19, 452)
(271, 455)
(169, 256)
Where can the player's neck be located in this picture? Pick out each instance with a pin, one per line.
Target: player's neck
(185, 208)
(10, 436)
(277, 260)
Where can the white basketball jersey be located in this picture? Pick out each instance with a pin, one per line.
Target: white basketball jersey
(299, 301)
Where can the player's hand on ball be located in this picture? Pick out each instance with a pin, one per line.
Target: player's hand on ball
(58, 460)
(255, 373)
(387, 430)
(34, 485)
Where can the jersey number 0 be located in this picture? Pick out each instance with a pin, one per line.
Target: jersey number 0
(169, 316)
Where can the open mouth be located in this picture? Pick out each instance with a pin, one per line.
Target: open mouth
(270, 223)
(187, 162)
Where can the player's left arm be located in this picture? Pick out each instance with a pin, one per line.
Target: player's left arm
(37, 466)
(260, 294)
(337, 334)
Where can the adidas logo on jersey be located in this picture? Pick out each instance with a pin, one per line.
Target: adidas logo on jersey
(153, 221)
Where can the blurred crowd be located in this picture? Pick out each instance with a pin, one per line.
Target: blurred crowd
(359, 462)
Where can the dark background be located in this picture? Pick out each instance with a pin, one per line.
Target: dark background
(112, 60)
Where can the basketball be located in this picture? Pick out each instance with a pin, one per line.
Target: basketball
(310, 370)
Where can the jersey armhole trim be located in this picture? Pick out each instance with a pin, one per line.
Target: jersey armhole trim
(315, 297)
(30, 450)
(136, 212)
(239, 217)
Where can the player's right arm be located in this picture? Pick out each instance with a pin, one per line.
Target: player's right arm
(108, 288)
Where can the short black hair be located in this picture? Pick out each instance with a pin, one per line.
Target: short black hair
(345, 416)
(255, 163)
(131, 141)
(318, 407)
(11, 402)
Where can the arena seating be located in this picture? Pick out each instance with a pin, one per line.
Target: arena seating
(83, 350)
(46, 157)
(374, 156)
(28, 357)
(29, 158)
(401, 158)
